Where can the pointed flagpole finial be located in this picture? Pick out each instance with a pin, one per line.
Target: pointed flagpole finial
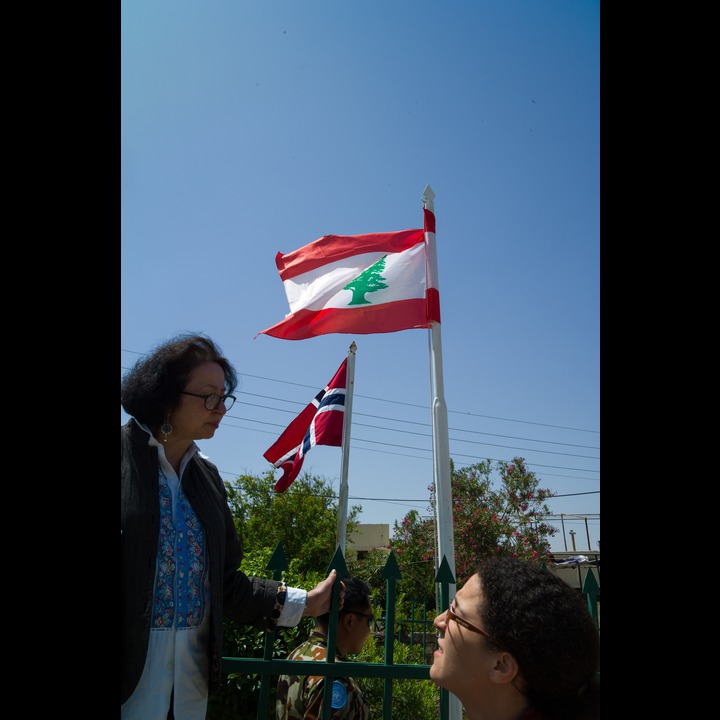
(428, 197)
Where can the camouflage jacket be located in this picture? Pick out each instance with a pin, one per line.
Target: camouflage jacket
(301, 698)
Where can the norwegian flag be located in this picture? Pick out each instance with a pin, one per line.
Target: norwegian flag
(320, 423)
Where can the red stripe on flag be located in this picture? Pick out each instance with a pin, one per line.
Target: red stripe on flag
(429, 218)
(388, 317)
(331, 248)
(433, 306)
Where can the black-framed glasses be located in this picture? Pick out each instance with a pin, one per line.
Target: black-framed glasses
(452, 615)
(213, 399)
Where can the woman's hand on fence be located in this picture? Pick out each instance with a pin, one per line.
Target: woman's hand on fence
(319, 599)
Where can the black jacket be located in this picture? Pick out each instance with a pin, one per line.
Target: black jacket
(233, 594)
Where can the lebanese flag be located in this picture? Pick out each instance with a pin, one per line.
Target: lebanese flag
(320, 423)
(360, 284)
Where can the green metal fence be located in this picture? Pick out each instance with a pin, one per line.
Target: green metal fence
(267, 667)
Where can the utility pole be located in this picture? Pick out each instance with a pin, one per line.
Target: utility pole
(572, 537)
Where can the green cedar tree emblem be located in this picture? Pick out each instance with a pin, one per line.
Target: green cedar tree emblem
(369, 280)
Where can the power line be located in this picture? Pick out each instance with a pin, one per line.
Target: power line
(455, 455)
(398, 402)
(409, 422)
(376, 443)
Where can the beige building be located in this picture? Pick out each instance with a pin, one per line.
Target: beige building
(368, 537)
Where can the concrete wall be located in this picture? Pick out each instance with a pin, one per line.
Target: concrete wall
(369, 536)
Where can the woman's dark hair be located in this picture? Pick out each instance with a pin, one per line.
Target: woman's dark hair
(547, 627)
(152, 387)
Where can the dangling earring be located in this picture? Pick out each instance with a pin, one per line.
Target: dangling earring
(166, 428)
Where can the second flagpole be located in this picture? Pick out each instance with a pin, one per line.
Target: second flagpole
(347, 416)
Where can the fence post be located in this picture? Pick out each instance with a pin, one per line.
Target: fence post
(590, 589)
(391, 573)
(278, 564)
(337, 562)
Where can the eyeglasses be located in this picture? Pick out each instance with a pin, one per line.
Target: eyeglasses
(369, 617)
(452, 615)
(213, 400)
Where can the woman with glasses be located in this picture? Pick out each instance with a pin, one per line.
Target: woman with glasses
(180, 553)
(518, 643)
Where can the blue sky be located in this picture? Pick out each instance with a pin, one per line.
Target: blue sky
(249, 128)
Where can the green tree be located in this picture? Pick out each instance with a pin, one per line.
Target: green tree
(304, 518)
(504, 520)
(490, 517)
(369, 280)
(414, 542)
(370, 568)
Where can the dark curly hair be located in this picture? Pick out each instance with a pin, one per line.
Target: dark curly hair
(152, 387)
(546, 625)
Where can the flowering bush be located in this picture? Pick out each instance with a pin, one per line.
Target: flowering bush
(501, 517)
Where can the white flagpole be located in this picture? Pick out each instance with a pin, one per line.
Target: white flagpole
(347, 417)
(441, 441)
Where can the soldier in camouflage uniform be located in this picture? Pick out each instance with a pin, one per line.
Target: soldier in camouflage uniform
(301, 697)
